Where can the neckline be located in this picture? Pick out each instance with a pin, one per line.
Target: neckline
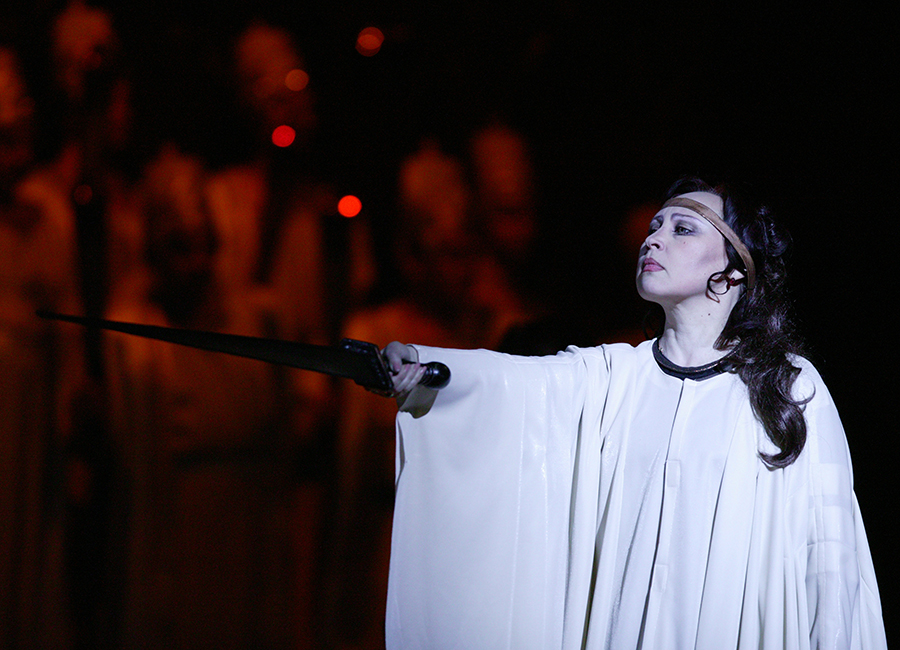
(697, 373)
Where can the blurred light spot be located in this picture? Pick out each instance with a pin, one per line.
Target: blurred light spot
(296, 80)
(283, 136)
(369, 41)
(83, 194)
(349, 206)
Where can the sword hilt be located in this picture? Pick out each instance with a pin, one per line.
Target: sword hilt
(437, 374)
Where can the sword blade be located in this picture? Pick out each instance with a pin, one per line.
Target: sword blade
(356, 360)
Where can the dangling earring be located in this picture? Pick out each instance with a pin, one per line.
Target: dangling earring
(731, 282)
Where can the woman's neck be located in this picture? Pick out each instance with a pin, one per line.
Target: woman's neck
(689, 340)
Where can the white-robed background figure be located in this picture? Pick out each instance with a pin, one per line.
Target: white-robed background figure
(694, 491)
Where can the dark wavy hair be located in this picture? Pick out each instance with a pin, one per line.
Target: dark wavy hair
(761, 331)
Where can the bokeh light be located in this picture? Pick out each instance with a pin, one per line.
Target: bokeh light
(283, 136)
(369, 41)
(349, 206)
(296, 80)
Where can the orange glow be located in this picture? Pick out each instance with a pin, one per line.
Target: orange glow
(283, 136)
(296, 80)
(349, 206)
(369, 41)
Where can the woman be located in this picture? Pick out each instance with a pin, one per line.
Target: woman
(693, 491)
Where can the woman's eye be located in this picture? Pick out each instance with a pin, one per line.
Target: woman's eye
(682, 230)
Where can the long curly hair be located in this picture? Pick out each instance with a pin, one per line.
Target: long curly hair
(761, 331)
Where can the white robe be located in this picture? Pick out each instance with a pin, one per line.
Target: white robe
(589, 500)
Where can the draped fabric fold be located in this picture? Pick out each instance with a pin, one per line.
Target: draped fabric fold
(589, 500)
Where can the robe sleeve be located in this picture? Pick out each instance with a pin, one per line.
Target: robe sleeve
(842, 594)
(479, 552)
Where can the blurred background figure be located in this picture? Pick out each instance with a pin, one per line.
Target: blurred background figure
(93, 162)
(88, 128)
(38, 370)
(505, 202)
(447, 290)
(283, 246)
(271, 209)
(506, 217)
(209, 511)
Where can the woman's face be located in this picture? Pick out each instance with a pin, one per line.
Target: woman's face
(681, 252)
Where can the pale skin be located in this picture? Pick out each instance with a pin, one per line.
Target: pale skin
(681, 252)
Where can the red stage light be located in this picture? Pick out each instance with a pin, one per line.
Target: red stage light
(369, 41)
(296, 80)
(349, 206)
(283, 136)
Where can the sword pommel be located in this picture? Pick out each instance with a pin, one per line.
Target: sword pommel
(437, 375)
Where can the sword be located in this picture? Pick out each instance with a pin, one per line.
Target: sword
(357, 360)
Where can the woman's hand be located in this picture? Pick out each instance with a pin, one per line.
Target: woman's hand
(403, 364)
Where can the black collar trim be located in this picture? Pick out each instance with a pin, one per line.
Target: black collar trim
(696, 373)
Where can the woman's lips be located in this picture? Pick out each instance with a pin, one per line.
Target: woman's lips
(651, 264)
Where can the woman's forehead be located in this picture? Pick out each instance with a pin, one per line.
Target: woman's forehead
(710, 200)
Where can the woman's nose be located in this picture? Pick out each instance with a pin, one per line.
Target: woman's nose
(653, 241)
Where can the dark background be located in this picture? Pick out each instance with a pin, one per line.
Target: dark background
(618, 101)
